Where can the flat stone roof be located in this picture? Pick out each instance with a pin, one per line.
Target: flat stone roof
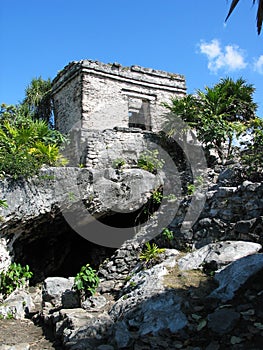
(134, 74)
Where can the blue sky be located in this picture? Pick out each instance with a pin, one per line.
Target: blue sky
(40, 37)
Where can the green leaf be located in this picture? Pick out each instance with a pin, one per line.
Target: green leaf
(201, 325)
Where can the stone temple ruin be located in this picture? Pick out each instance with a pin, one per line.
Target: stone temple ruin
(109, 109)
(109, 112)
(104, 96)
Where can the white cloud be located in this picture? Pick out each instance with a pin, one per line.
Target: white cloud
(212, 49)
(258, 65)
(229, 58)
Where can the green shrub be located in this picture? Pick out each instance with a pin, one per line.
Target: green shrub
(15, 277)
(118, 163)
(157, 196)
(150, 161)
(168, 234)
(151, 252)
(26, 144)
(86, 281)
(191, 188)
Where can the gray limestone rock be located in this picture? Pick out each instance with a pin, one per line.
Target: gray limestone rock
(223, 320)
(70, 299)
(146, 305)
(55, 290)
(18, 304)
(222, 253)
(234, 275)
(22, 346)
(94, 303)
(83, 325)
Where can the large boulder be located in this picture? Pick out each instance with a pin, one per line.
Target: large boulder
(233, 276)
(220, 253)
(58, 292)
(17, 305)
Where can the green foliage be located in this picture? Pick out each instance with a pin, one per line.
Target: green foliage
(133, 284)
(149, 160)
(168, 234)
(252, 156)
(15, 277)
(38, 103)
(118, 163)
(170, 197)
(218, 115)
(151, 252)
(157, 196)
(191, 188)
(3, 203)
(26, 144)
(86, 281)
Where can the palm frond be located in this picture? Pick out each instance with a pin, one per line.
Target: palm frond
(232, 7)
(259, 13)
(259, 16)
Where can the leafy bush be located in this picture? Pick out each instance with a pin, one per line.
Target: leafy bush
(151, 252)
(168, 234)
(118, 163)
(86, 281)
(157, 196)
(26, 144)
(218, 115)
(149, 160)
(191, 188)
(15, 277)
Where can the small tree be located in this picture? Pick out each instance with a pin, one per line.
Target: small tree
(38, 101)
(218, 114)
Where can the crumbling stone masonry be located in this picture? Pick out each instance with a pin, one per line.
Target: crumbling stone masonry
(101, 96)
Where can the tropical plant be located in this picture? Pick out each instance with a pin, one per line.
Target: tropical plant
(15, 277)
(259, 12)
(149, 160)
(86, 281)
(37, 102)
(48, 154)
(26, 144)
(218, 115)
(151, 252)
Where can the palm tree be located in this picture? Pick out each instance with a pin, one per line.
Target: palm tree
(259, 12)
(218, 114)
(38, 100)
(239, 97)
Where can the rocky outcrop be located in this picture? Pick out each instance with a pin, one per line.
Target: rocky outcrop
(163, 306)
(59, 188)
(64, 199)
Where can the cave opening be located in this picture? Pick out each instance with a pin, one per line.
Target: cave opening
(52, 248)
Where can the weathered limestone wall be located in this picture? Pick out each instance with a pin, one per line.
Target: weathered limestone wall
(105, 147)
(67, 103)
(104, 96)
